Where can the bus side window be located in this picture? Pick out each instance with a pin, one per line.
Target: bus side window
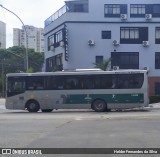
(19, 86)
(30, 85)
(39, 86)
(50, 83)
(35, 83)
(126, 84)
(72, 82)
(59, 83)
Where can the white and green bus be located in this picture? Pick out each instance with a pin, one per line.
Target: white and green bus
(79, 89)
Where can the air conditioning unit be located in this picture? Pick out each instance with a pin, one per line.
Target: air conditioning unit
(123, 16)
(146, 68)
(148, 16)
(145, 43)
(52, 48)
(115, 42)
(61, 44)
(91, 42)
(115, 67)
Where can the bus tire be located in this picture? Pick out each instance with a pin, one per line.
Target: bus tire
(32, 106)
(99, 105)
(47, 110)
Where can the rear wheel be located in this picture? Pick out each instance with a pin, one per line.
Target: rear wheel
(99, 105)
(47, 110)
(32, 106)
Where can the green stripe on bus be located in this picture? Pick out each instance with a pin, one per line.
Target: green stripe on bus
(108, 98)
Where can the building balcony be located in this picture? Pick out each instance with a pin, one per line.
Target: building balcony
(79, 6)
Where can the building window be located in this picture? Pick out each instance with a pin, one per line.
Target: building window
(153, 9)
(50, 42)
(58, 59)
(49, 63)
(133, 35)
(99, 59)
(156, 9)
(114, 10)
(157, 35)
(59, 36)
(106, 34)
(54, 39)
(76, 6)
(129, 33)
(125, 60)
(157, 88)
(54, 63)
(137, 10)
(157, 60)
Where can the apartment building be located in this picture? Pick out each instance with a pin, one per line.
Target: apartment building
(84, 32)
(35, 38)
(2, 35)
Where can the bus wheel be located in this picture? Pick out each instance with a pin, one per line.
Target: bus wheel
(47, 110)
(99, 105)
(32, 106)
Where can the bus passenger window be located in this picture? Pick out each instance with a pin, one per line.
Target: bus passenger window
(114, 83)
(39, 86)
(35, 83)
(16, 86)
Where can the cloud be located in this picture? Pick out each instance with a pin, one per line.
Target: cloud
(31, 12)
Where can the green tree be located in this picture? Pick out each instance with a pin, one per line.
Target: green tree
(36, 60)
(12, 60)
(30, 70)
(105, 65)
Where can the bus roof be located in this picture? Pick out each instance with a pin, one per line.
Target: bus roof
(77, 72)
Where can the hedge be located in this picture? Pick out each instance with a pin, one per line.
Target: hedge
(154, 99)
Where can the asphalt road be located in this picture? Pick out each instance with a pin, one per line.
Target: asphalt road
(80, 129)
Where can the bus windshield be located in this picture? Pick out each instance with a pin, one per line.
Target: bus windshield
(15, 86)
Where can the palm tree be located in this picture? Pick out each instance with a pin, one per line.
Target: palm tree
(105, 65)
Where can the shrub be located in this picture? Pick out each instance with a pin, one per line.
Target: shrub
(154, 99)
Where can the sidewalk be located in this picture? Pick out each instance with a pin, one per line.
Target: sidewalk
(154, 106)
(2, 103)
(2, 100)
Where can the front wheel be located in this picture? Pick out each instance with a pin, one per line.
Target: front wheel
(32, 106)
(99, 105)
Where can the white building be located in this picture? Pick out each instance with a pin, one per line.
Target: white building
(35, 38)
(84, 32)
(2, 35)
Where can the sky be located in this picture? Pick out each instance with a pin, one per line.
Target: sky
(31, 12)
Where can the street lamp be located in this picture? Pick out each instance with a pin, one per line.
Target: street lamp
(25, 32)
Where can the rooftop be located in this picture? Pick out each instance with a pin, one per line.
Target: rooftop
(70, 6)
